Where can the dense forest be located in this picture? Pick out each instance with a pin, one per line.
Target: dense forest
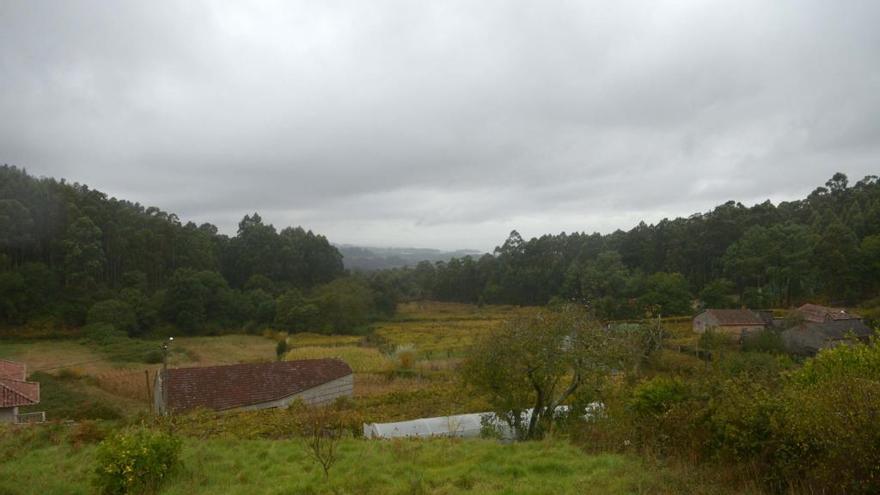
(825, 247)
(69, 255)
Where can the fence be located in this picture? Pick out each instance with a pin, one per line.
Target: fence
(34, 417)
(136, 385)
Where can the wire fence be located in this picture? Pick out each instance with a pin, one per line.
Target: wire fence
(135, 385)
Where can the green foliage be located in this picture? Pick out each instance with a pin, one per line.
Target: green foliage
(774, 255)
(115, 313)
(718, 294)
(102, 333)
(63, 397)
(542, 361)
(56, 235)
(657, 396)
(281, 349)
(811, 428)
(84, 258)
(344, 305)
(260, 466)
(666, 293)
(861, 361)
(135, 461)
(294, 312)
(766, 340)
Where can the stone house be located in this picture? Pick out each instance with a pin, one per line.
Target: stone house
(15, 390)
(815, 313)
(734, 322)
(246, 387)
(823, 327)
(809, 338)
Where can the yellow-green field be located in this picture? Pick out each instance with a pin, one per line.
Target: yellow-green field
(404, 367)
(436, 330)
(401, 362)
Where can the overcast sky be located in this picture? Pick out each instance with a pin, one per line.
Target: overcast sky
(441, 124)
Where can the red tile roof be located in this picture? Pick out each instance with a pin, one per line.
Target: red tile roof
(14, 390)
(12, 370)
(818, 314)
(736, 317)
(239, 385)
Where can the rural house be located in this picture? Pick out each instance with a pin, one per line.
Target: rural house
(815, 313)
(823, 327)
(15, 391)
(245, 387)
(735, 322)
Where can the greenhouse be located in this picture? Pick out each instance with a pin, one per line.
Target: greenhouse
(461, 425)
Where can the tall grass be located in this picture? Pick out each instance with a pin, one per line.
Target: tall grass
(361, 359)
(365, 467)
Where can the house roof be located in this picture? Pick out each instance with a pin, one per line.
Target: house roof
(12, 370)
(817, 313)
(735, 317)
(239, 385)
(809, 337)
(15, 391)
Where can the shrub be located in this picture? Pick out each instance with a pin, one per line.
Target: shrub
(102, 333)
(656, 396)
(135, 461)
(85, 432)
(767, 340)
(115, 313)
(153, 356)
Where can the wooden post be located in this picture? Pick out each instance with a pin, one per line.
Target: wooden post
(149, 389)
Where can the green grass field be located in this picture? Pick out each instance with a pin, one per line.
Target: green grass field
(404, 369)
(439, 466)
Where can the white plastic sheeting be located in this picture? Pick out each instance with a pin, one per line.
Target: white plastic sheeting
(461, 425)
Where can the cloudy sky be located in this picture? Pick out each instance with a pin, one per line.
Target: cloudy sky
(440, 123)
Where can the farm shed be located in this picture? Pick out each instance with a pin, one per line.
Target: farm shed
(808, 338)
(15, 391)
(245, 387)
(735, 322)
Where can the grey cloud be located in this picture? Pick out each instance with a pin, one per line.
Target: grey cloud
(441, 124)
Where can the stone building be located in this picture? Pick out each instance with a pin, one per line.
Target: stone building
(245, 387)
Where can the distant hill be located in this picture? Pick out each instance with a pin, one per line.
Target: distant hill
(380, 258)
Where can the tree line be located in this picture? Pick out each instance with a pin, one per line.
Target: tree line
(825, 247)
(71, 255)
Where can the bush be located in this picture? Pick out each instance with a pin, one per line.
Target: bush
(115, 313)
(85, 432)
(135, 461)
(102, 333)
(656, 396)
(767, 340)
(153, 356)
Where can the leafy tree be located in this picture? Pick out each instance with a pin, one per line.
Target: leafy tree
(185, 301)
(666, 293)
(542, 361)
(84, 256)
(344, 305)
(717, 294)
(115, 313)
(294, 312)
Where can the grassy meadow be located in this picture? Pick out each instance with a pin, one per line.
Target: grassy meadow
(440, 466)
(404, 369)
